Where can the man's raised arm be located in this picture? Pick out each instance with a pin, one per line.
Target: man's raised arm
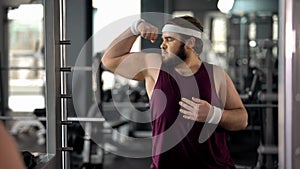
(118, 58)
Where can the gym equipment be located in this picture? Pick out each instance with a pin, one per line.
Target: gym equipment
(268, 147)
(21, 124)
(261, 97)
(29, 159)
(40, 113)
(106, 96)
(93, 153)
(76, 137)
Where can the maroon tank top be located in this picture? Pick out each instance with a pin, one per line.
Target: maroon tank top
(175, 139)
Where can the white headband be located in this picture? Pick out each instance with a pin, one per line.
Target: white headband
(181, 30)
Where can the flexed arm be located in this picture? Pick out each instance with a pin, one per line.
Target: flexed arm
(118, 52)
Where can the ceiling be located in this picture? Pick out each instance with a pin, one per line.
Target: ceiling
(241, 6)
(15, 3)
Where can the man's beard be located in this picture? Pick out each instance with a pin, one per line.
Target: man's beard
(178, 57)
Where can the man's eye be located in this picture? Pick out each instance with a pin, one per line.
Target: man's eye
(169, 39)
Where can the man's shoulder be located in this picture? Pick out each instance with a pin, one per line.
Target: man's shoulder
(153, 60)
(213, 66)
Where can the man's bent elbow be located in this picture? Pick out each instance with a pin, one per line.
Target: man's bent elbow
(244, 121)
(107, 63)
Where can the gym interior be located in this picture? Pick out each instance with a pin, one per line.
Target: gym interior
(66, 111)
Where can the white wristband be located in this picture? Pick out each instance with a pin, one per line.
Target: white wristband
(134, 26)
(216, 115)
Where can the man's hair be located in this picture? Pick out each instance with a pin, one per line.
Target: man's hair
(192, 23)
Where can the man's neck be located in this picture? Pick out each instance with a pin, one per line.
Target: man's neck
(190, 66)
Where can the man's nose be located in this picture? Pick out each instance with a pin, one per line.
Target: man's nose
(163, 45)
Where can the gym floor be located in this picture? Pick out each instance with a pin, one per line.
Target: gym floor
(242, 148)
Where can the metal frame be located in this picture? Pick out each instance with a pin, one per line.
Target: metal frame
(53, 104)
(56, 81)
(63, 85)
(2, 108)
(287, 121)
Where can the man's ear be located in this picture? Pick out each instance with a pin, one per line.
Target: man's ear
(190, 42)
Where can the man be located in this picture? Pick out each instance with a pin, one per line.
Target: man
(183, 96)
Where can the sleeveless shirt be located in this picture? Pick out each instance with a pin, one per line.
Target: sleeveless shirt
(175, 142)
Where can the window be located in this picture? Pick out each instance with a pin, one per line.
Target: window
(26, 58)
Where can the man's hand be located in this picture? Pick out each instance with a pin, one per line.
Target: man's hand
(148, 31)
(195, 109)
